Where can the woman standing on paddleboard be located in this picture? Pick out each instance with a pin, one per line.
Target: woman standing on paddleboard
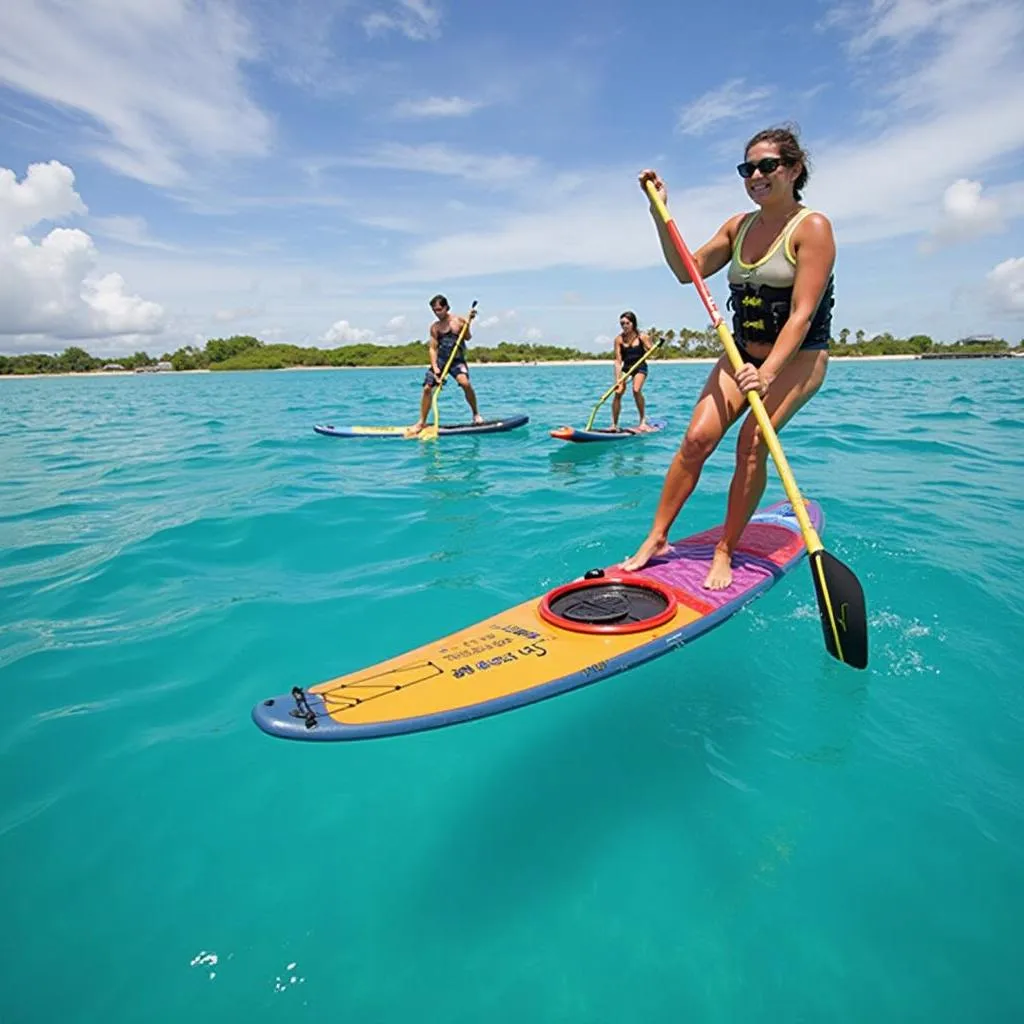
(630, 347)
(780, 260)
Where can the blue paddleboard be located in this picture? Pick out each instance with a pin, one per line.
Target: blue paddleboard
(496, 426)
(606, 433)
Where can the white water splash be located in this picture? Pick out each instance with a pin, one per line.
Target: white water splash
(205, 959)
(280, 985)
(729, 780)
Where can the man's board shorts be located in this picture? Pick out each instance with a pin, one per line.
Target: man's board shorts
(457, 368)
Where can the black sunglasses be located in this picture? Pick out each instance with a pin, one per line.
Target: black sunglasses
(766, 165)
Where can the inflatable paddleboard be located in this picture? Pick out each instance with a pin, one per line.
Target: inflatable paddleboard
(587, 630)
(496, 426)
(606, 433)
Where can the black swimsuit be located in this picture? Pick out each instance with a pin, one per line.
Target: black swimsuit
(631, 355)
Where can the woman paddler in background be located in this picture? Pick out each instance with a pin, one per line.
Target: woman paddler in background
(780, 260)
(630, 348)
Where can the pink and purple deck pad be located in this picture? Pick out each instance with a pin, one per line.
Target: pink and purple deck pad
(769, 544)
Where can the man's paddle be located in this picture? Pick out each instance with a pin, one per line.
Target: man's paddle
(841, 603)
(430, 433)
(621, 380)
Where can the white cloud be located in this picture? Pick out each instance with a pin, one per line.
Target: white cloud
(966, 214)
(114, 312)
(898, 21)
(874, 185)
(606, 226)
(131, 231)
(160, 82)
(443, 160)
(437, 106)
(971, 45)
(1006, 285)
(226, 316)
(52, 289)
(504, 317)
(963, 201)
(910, 164)
(734, 99)
(415, 19)
(533, 334)
(959, 112)
(388, 222)
(396, 322)
(297, 41)
(1010, 199)
(47, 193)
(341, 332)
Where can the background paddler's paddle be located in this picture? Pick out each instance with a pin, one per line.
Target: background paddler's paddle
(430, 433)
(621, 380)
(841, 603)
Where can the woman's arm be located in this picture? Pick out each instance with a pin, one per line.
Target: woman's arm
(710, 257)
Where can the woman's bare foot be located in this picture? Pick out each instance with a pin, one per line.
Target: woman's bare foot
(653, 547)
(477, 418)
(414, 429)
(719, 576)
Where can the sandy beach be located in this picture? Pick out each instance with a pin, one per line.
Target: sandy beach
(475, 366)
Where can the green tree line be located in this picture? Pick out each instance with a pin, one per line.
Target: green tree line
(690, 344)
(244, 352)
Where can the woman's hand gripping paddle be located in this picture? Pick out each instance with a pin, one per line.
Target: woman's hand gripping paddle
(840, 596)
(622, 380)
(430, 433)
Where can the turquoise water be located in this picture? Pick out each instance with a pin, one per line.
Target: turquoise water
(744, 830)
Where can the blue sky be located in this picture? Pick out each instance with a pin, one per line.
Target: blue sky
(313, 172)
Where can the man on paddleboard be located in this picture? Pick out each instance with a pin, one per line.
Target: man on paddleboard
(444, 337)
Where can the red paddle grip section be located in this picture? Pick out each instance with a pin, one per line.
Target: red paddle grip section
(691, 269)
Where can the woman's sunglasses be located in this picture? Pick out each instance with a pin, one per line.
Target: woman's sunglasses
(766, 165)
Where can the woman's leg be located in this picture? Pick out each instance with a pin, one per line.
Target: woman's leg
(718, 407)
(794, 387)
(638, 382)
(617, 405)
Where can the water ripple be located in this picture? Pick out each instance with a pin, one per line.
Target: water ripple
(174, 549)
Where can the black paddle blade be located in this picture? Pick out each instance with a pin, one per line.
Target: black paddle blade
(844, 615)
